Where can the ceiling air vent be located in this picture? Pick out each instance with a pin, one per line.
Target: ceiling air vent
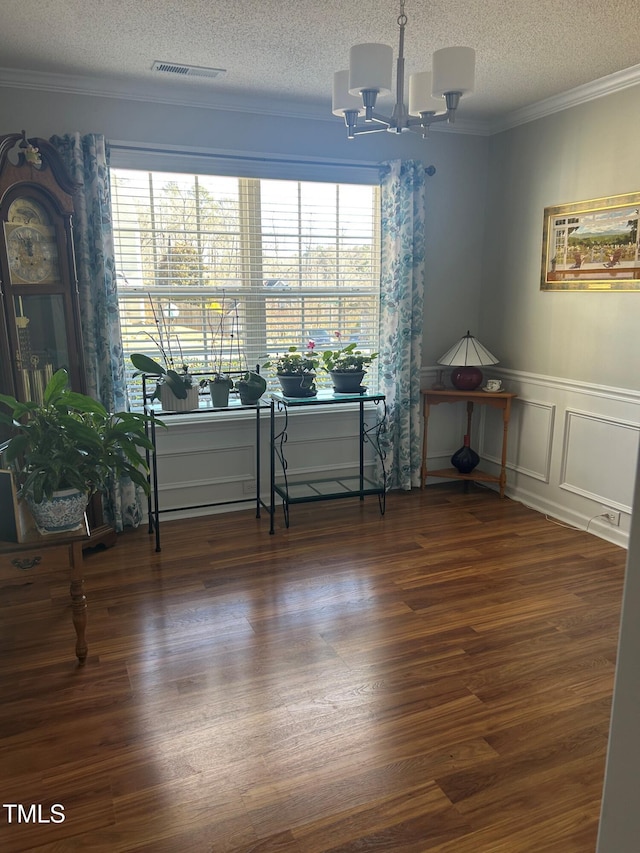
(187, 70)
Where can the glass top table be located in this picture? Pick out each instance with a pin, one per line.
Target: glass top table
(306, 490)
(328, 397)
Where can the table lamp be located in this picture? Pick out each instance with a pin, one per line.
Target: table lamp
(466, 357)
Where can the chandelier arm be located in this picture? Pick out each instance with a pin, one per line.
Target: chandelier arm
(379, 118)
(354, 129)
(428, 118)
(360, 129)
(448, 116)
(424, 120)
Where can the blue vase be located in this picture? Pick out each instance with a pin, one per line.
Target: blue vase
(465, 459)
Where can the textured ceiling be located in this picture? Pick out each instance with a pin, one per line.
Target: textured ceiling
(526, 51)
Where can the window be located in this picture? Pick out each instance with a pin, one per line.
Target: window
(222, 272)
(563, 228)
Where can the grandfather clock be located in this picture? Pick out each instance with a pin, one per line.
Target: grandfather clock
(40, 328)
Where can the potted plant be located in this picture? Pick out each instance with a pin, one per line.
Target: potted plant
(224, 325)
(177, 390)
(68, 447)
(296, 371)
(251, 386)
(219, 388)
(347, 366)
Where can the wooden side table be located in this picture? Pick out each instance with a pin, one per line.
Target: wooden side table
(497, 400)
(18, 560)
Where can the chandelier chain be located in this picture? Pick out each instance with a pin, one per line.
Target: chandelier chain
(402, 18)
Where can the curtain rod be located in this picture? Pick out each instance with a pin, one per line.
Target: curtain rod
(247, 157)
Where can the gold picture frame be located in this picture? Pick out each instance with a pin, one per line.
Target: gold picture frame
(592, 245)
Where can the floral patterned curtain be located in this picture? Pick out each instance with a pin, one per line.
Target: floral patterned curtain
(401, 312)
(87, 159)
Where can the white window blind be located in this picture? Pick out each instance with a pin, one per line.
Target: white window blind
(223, 272)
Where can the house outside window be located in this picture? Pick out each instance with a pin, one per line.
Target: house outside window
(223, 272)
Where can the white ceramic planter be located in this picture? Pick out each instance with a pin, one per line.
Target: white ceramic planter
(171, 403)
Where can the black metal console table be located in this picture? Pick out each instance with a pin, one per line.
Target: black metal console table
(205, 407)
(335, 487)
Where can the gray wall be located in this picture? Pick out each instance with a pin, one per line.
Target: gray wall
(584, 152)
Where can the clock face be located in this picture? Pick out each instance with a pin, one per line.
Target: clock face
(32, 253)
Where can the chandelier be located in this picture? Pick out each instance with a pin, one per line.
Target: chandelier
(355, 91)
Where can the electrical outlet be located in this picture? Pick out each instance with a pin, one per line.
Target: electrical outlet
(611, 515)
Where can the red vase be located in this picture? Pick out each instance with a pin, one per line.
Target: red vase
(466, 378)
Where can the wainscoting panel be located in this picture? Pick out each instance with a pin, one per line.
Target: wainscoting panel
(530, 437)
(188, 468)
(606, 475)
(572, 449)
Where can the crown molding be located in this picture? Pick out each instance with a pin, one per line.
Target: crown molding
(573, 97)
(153, 91)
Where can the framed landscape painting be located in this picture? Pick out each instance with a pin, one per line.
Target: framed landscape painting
(592, 245)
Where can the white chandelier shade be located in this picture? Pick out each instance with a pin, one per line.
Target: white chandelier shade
(370, 67)
(453, 70)
(421, 99)
(433, 95)
(342, 100)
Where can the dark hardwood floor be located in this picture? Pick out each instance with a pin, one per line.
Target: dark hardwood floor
(435, 680)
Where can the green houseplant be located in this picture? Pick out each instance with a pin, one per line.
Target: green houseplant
(347, 366)
(176, 390)
(296, 371)
(251, 386)
(224, 324)
(70, 444)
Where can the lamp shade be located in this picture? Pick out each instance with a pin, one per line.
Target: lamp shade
(466, 356)
(420, 98)
(342, 99)
(370, 67)
(468, 351)
(453, 70)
